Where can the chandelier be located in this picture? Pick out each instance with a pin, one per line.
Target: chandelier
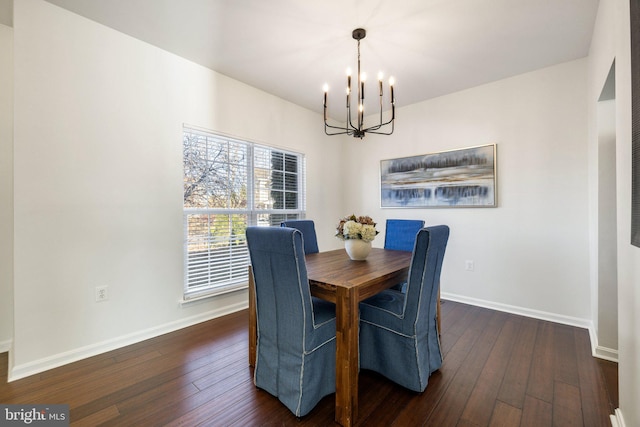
(358, 131)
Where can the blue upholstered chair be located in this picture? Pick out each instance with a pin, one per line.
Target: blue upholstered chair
(308, 233)
(398, 332)
(400, 235)
(296, 348)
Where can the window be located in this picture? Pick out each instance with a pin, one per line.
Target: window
(230, 184)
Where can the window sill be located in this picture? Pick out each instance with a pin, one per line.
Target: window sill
(197, 299)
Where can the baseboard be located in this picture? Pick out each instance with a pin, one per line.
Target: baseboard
(5, 346)
(37, 366)
(617, 420)
(596, 350)
(521, 311)
(606, 353)
(601, 352)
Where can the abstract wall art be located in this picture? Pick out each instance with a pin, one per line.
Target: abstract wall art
(456, 178)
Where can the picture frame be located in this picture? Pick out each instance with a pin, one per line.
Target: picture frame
(461, 178)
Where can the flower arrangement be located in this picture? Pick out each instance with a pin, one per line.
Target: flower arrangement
(356, 227)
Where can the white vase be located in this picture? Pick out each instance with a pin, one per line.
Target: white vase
(357, 249)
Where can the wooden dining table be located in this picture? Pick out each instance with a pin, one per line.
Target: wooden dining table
(336, 278)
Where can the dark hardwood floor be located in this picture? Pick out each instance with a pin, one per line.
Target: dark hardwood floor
(499, 370)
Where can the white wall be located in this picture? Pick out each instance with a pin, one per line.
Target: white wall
(530, 253)
(607, 259)
(601, 173)
(98, 181)
(611, 40)
(6, 187)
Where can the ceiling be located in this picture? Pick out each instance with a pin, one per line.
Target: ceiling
(290, 48)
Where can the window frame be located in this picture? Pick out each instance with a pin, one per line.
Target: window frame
(191, 290)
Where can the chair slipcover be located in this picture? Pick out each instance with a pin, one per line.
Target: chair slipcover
(308, 229)
(400, 234)
(398, 332)
(296, 349)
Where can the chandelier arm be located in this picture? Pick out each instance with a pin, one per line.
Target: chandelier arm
(327, 125)
(343, 130)
(336, 133)
(374, 129)
(378, 126)
(382, 133)
(349, 123)
(355, 130)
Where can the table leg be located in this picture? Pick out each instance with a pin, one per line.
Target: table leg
(253, 320)
(347, 324)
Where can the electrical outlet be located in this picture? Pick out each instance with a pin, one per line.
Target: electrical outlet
(102, 293)
(469, 265)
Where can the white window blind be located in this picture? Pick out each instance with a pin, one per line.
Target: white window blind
(230, 184)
